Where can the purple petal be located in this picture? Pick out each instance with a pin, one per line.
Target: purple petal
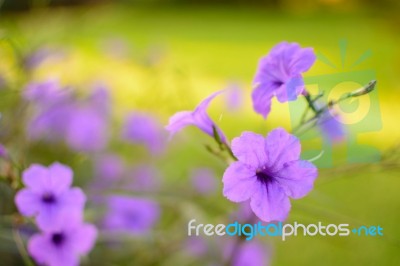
(240, 182)
(270, 203)
(297, 178)
(28, 202)
(60, 177)
(249, 149)
(36, 177)
(39, 248)
(262, 97)
(302, 60)
(49, 217)
(198, 118)
(86, 235)
(289, 91)
(281, 147)
(73, 199)
(179, 121)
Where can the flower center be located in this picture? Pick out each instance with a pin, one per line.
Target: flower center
(278, 83)
(57, 239)
(48, 198)
(263, 176)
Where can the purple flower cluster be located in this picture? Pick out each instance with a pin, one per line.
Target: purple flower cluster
(59, 116)
(131, 215)
(125, 214)
(144, 129)
(267, 170)
(58, 212)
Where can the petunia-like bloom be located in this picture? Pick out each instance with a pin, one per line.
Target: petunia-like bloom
(198, 118)
(279, 74)
(141, 128)
(268, 172)
(53, 108)
(63, 246)
(131, 215)
(48, 194)
(87, 130)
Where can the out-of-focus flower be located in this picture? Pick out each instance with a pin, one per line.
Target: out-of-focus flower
(279, 74)
(143, 178)
(196, 246)
(87, 130)
(141, 128)
(268, 172)
(3, 151)
(203, 180)
(59, 116)
(198, 118)
(131, 215)
(251, 253)
(48, 194)
(63, 246)
(108, 169)
(52, 110)
(331, 127)
(234, 97)
(99, 99)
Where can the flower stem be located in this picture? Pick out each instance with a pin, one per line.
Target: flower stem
(320, 110)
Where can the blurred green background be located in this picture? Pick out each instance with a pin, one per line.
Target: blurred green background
(165, 56)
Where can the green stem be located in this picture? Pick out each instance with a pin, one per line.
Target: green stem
(21, 249)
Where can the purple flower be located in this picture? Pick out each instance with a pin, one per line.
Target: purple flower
(87, 130)
(251, 253)
(3, 152)
(52, 110)
(108, 169)
(48, 194)
(129, 214)
(198, 118)
(268, 172)
(143, 178)
(203, 180)
(99, 99)
(47, 92)
(63, 246)
(331, 127)
(144, 129)
(279, 74)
